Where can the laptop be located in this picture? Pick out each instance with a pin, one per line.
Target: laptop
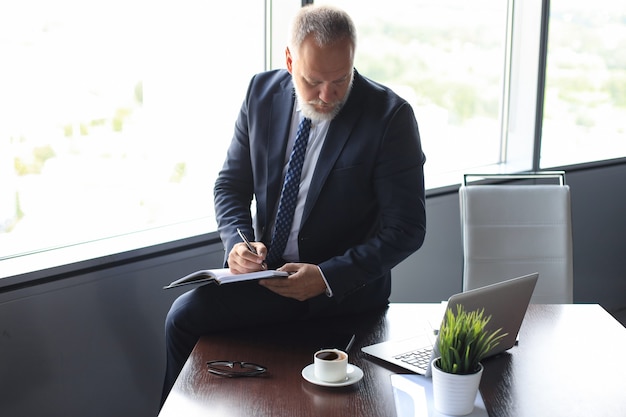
(505, 301)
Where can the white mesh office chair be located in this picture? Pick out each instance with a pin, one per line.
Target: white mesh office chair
(510, 230)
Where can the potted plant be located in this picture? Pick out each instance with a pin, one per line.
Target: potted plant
(463, 342)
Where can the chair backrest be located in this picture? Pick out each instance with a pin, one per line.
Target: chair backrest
(513, 230)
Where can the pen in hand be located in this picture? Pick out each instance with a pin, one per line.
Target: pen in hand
(250, 247)
(246, 241)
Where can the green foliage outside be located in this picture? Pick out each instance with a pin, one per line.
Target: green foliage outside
(616, 86)
(180, 170)
(33, 165)
(34, 162)
(583, 68)
(402, 56)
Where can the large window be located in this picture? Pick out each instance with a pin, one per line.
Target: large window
(585, 97)
(115, 115)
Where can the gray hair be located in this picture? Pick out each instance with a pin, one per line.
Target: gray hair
(326, 24)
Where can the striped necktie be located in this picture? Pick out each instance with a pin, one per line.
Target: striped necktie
(289, 194)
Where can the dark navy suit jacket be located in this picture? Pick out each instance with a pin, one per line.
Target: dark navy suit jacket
(364, 211)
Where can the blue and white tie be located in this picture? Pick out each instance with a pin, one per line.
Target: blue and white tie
(289, 194)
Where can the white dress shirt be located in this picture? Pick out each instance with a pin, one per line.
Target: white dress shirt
(313, 149)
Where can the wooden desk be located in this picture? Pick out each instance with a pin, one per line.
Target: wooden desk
(559, 368)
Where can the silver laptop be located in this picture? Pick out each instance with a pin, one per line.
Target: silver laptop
(506, 302)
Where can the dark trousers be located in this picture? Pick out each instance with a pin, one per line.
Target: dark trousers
(211, 308)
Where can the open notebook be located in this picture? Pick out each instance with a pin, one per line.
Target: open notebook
(506, 302)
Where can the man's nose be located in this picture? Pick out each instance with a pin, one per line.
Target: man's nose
(326, 93)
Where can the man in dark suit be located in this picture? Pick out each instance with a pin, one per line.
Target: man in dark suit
(359, 209)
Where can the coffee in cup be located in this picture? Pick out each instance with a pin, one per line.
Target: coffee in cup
(331, 365)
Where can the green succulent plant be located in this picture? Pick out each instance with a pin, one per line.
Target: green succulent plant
(464, 341)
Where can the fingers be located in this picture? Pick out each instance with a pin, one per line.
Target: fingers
(242, 260)
(306, 282)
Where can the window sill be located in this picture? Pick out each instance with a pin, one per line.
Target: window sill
(54, 264)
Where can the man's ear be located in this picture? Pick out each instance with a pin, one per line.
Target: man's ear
(288, 60)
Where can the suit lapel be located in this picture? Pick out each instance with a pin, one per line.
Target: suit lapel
(338, 134)
(277, 138)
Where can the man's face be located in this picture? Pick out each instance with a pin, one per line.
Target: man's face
(322, 77)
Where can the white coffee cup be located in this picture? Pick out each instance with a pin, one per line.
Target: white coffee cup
(330, 365)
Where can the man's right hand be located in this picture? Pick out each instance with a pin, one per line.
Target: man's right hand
(241, 260)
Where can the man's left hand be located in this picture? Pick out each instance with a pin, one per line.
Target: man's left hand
(305, 282)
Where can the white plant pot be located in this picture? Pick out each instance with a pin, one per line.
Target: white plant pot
(454, 394)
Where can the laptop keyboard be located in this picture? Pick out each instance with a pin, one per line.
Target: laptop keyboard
(419, 357)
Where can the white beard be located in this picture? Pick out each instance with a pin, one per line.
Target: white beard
(308, 108)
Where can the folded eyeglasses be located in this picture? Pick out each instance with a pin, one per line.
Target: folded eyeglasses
(233, 369)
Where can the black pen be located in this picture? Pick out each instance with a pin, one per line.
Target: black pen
(247, 242)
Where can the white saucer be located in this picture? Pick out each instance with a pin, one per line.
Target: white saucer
(354, 375)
